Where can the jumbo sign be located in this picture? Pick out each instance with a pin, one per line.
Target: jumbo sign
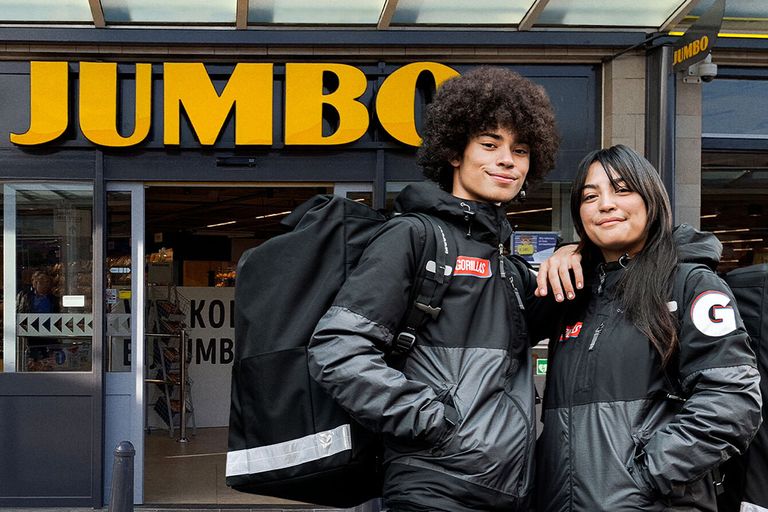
(690, 50)
(249, 91)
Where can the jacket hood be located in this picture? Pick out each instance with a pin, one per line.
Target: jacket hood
(694, 246)
(485, 222)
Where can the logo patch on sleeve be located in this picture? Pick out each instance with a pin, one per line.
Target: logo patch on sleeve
(712, 314)
(469, 266)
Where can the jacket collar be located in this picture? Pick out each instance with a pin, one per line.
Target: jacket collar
(484, 222)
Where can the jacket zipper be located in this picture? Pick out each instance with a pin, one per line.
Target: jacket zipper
(576, 385)
(602, 279)
(469, 215)
(503, 275)
(525, 414)
(596, 335)
(502, 272)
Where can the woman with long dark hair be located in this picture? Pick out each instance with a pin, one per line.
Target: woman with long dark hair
(651, 381)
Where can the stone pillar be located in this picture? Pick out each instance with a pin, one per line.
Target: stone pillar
(687, 205)
(624, 102)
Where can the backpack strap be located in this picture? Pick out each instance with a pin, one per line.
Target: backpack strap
(431, 283)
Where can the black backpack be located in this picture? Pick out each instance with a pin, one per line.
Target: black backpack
(287, 437)
(745, 476)
(741, 477)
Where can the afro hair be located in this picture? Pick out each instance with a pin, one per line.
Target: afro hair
(487, 98)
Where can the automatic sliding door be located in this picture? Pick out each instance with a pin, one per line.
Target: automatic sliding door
(124, 309)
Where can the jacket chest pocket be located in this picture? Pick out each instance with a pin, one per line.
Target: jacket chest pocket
(513, 289)
(595, 340)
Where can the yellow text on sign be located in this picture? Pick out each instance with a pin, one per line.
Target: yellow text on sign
(247, 95)
(690, 50)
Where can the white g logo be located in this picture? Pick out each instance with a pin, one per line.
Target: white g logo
(712, 315)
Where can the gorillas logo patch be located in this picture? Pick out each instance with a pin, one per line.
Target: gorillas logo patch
(712, 315)
(571, 331)
(469, 266)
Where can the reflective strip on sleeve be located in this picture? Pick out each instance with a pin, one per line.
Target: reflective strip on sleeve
(289, 453)
(749, 507)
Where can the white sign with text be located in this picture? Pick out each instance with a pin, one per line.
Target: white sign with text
(211, 332)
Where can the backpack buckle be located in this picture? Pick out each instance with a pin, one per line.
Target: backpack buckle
(426, 308)
(404, 342)
(718, 479)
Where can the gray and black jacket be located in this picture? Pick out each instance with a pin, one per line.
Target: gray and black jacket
(620, 433)
(457, 416)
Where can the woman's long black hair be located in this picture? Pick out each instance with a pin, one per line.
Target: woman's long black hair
(644, 289)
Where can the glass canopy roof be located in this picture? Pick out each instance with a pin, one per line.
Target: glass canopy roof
(641, 15)
(166, 11)
(452, 12)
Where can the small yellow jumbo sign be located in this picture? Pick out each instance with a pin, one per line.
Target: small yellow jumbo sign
(249, 91)
(690, 50)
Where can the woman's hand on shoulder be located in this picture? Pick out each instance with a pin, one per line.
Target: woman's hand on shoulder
(555, 272)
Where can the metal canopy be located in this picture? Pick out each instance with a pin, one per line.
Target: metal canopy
(748, 17)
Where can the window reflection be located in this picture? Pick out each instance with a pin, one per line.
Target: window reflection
(52, 234)
(117, 301)
(46, 10)
(735, 109)
(734, 189)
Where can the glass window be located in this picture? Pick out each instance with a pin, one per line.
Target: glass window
(734, 199)
(650, 13)
(117, 280)
(447, 12)
(735, 108)
(540, 220)
(169, 11)
(740, 9)
(47, 258)
(315, 11)
(45, 10)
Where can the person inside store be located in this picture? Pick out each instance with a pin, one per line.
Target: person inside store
(457, 416)
(651, 381)
(38, 298)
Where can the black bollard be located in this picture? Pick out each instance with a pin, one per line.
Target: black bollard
(121, 494)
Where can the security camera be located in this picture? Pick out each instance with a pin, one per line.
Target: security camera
(707, 70)
(704, 71)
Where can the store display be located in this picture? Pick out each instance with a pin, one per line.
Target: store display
(166, 321)
(225, 278)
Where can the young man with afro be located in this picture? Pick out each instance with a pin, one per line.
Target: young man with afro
(457, 417)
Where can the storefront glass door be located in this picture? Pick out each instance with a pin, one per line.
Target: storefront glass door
(50, 384)
(124, 310)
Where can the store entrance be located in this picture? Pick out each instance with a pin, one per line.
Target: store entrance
(194, 238)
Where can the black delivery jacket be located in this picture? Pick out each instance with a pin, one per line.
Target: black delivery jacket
(475, 357)
(621, 435)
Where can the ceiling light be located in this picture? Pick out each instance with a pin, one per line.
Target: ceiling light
(272, 215)
(530, 211)
(737, 230)
(741, 241)
(228, 223)
(710, 216)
